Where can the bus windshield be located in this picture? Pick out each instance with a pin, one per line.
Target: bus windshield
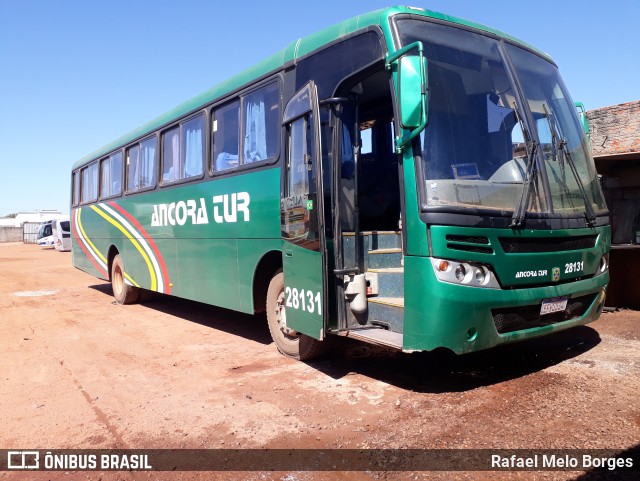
(479, 144)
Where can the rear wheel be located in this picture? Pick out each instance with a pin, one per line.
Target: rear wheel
(289, 342)
(123, 292)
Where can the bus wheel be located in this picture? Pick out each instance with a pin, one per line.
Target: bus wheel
(123, 292)
(289, 342)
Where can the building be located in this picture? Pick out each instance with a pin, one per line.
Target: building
(23, 226)
(615, 141)
(39, 216)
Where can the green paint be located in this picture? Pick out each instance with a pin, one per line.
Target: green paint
(440, 315)
(303, 290)
(213, 259)
(210, 262)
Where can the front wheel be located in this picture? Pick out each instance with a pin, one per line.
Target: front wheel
(289, 342)
(123, 292)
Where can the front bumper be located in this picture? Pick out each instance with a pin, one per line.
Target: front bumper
(462, 318)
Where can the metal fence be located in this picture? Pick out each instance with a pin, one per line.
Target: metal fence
(30, 232)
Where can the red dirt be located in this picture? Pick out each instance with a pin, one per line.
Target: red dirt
(82, 372)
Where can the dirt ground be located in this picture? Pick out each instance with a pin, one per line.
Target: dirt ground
(82, 372)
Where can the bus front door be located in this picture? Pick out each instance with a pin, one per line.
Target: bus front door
(301, 217)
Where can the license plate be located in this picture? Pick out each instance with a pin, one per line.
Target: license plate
(556, 304)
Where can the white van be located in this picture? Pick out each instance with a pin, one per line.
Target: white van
(61, 232)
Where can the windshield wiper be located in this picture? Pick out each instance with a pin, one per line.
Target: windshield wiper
(559, 144)
(560, 179)
(532, 146)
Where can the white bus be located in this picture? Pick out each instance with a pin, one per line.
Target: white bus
(61, 232)
(45, 237)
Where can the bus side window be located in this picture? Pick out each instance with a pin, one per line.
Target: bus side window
(170, 155)
(115, 161)
(226, 136)
(76, 189)
(261, 122)
(141, 166)
(111, 174)
(89, 183)
(147, 162)
(133, 176)
(192, 147)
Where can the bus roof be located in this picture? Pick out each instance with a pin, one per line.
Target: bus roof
(295, 50)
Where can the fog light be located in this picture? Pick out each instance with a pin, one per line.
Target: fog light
(461, 272)
(480, 275)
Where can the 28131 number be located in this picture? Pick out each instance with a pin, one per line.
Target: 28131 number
(570, 267)
(304, 300)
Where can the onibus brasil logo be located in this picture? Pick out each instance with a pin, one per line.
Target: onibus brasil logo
(59, 461)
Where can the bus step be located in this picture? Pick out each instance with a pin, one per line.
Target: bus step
(384, 240)
(390, 281)
(383, 258)
(380, 337)
(369, 241)
(388, 311)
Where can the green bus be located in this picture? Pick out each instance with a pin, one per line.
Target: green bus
(405, 178)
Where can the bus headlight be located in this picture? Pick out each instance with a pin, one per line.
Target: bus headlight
(465, 273)
(461, 272)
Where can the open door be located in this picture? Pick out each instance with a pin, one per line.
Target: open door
(301, 212)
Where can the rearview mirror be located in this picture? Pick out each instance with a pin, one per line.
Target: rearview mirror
(410, 90)
(582, 115)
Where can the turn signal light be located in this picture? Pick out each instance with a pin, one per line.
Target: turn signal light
(443, 266)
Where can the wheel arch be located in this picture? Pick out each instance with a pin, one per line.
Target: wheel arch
(113, 252)
(267, 266)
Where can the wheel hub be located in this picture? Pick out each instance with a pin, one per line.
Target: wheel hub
(281, 317)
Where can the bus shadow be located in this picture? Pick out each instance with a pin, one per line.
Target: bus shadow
(433, 372)
(443, 371)
(251, 327)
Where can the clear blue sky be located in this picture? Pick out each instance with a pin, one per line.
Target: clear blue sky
(74, 75)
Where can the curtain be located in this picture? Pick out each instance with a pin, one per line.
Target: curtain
(193, 154)
(255, 139)
(174, 172)
(115, 162)
(133, 172)
(106, 178)
(148, 163)
(93, 182)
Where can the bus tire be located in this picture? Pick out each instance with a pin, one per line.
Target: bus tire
(289, 343)
(124, 293)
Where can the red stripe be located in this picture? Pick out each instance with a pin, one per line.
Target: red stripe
(86, 252)
(154, 247)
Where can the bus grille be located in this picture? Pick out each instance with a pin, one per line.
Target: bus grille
(477, 239)
(518, 245)
(468, 248)
(470, 243)
(510, 319)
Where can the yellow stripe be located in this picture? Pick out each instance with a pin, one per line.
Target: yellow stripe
(154, 281)
(95, 251)
(131, 280)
